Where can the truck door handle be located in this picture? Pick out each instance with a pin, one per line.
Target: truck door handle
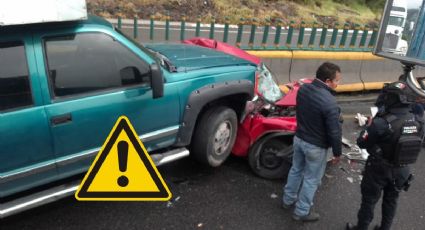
(65, 118)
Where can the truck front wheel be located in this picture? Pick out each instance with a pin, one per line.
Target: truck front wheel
(215, 136)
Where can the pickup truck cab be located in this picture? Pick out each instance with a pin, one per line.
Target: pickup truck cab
(63, 86)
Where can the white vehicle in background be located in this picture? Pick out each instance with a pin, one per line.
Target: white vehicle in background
(393, 41)
(415, 26)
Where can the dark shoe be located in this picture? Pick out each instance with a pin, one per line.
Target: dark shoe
(377, 227)
(350, 226)
(287, 206)
(312, 216)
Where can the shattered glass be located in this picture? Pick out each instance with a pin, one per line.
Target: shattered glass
(267, 87)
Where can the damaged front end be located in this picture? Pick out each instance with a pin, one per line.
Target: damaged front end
(265, 134)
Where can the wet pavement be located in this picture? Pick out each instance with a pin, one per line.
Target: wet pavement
(231, 197)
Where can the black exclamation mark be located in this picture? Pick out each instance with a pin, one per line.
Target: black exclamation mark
(122, 162)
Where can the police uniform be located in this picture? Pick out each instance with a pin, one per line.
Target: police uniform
(393, 140)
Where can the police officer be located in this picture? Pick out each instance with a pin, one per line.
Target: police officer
(393, 140)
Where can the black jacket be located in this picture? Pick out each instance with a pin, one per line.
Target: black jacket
(318, 116)
(380, 133)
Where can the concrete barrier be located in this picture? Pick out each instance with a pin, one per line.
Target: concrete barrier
(307, 68)
(280, 68)
(361, 70)
(380, 70)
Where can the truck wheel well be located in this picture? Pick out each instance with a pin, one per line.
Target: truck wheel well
(236, 102)
(231, 94)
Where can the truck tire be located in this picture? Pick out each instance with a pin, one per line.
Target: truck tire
(271, 158)
(215, 136)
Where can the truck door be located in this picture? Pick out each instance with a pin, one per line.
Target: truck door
(26, 153)
(94, 78)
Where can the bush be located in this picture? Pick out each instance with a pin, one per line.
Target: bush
(306, 2)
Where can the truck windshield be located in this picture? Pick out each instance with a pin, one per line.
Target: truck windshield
(147, 51)
(159, 58)
(397, 8)
(396, 21)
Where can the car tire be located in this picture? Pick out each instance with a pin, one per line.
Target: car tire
(271, 157)
(215, 136)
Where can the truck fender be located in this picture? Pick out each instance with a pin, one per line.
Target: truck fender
(201, 97)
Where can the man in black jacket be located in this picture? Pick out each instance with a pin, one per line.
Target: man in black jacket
(393, 140)
(318, 128)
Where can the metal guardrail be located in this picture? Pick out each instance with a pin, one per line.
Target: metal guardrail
(302, 36)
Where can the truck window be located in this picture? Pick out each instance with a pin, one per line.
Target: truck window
(397, 8)
(15, 91)
(396, 21)
(87, 62)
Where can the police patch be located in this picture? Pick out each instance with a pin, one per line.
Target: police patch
(409, 130)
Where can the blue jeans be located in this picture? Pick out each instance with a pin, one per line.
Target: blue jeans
(308, 167)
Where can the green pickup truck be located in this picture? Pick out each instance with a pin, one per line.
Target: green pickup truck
(63, 85)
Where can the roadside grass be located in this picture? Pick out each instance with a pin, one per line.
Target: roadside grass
(331, 12)
(326, 11)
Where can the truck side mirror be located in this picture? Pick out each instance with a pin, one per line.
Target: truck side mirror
(401, 32)
(408, 46)
(157, 81)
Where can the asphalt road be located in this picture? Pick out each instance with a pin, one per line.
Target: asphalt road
(230, 197)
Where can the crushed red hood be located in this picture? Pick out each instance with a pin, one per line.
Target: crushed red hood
(224, 47)
(290, 99)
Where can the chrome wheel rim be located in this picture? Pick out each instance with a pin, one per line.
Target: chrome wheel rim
(222, 137)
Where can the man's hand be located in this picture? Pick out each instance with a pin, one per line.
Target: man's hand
(335, 160)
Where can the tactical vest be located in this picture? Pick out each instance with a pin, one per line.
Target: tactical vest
(404, 145)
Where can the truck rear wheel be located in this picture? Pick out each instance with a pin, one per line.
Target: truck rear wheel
(215, 136)
(271, 158)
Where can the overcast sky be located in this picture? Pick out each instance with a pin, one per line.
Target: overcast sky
(414, 3)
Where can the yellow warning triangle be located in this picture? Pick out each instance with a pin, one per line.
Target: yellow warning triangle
(123, 170)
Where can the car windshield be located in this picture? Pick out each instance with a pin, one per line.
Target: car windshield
(267, 87)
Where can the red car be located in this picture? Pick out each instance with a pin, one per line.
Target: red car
(266, 131)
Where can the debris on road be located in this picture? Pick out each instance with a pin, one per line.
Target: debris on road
(328, 176)
(359, 156)
(171, 204)
(350, 179)
(273, 196)
(361, 119)
(356, 153)
(343, 169)
(346, 142)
